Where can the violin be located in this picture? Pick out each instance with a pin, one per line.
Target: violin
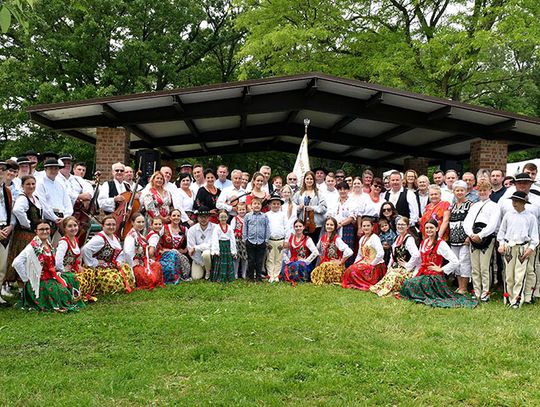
(309, 217)
(233, 200)
(126, 209)
(85, 211)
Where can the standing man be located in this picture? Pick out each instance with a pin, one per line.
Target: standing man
(222, 182)
(497, 188)
(109, 192)
(292, 181)
(167, 174)
(24, 169)
(82, 187)
(232, 194)
(403, 199)
(331, 195)
(6, 227)
(65, 175)
(320, 178)
(532, 170)
(470, 180)
(198, 178)
(438, 179)
(33, 156)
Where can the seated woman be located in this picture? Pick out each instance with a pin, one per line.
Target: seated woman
(173, 250)
(299, 256)
(105, 267)
(147, 272)
(67, 259)
(334, 253)
(369, 266)
(428, 285)
(44, 289)
(405, 258)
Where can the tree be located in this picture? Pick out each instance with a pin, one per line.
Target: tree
(14, 9)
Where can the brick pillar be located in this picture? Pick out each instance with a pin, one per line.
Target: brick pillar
(419, 164)
(489, 154)
(112, 146)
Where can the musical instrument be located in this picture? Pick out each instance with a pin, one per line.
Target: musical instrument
(126, 209)
(233, 200)
(309, 216)
(85, 211)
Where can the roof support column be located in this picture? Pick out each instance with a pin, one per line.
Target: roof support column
(489, 154)
(112, 146)
(418, 164)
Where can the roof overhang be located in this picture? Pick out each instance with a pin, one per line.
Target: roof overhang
(350, 120)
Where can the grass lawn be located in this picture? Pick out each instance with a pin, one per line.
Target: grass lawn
(251, 344)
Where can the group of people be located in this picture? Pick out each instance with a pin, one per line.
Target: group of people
(402, 235)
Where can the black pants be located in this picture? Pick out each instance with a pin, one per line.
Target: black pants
(255, 254)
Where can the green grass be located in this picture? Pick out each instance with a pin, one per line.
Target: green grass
(251, 344)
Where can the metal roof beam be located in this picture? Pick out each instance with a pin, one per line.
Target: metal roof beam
(381, 138)
(439, 114)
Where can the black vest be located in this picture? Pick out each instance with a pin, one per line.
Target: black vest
(402, 205)
(113, 191)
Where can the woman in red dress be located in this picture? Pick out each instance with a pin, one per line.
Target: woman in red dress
(436, 209)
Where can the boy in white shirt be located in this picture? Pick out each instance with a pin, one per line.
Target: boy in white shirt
(278, 230)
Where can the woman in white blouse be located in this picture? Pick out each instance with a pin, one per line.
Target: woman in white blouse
(183, 199)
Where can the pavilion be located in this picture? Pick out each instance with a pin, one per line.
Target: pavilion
(351, 121)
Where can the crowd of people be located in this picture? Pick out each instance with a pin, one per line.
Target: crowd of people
(451, 242)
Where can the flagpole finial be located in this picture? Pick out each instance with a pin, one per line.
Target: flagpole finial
(306, 124)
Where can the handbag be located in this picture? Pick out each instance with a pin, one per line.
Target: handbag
(477, 228)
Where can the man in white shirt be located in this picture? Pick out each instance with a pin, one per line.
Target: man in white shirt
(198, 176)
(24, 169)
(167, 174)
(65, 175)
(110, 192)
(129, 178)
(222, 182)
(235, 190)
(320, 178)
(6, 227)
(33, 156)
(44, 156)
(292, 181)
(331, 195)
(199, 242)
(403, 200)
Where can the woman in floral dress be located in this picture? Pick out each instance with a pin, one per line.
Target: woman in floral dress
(299, 257)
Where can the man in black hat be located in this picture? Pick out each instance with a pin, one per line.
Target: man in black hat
(199, 240)
(33, 156)
(320, 177)
(24, 169)
(277, 221)
(185, 168)
(6, 227)
(65, 177)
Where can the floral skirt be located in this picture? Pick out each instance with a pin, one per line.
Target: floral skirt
(175, 267)
(148, 277)
(348, 236)
(101, 280)
(53, 296)
(327, 273)
(296, 271)
(362, 276)
(391, 282)
(433, 290)
(222, 265)
(241, 251)
(20, 240)
(73, 285)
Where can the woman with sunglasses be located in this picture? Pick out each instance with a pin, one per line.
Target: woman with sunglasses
(405, 259)
(389, 212)
(44, 289)
(373, 201)
(428, 285)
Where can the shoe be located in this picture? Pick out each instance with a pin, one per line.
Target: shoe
(6, 291)
(485, 297)
(515, 306)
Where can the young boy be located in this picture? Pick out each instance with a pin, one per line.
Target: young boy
(256, 234)
(387, 237)
(518, 238)
(237, 224)
(278, 233)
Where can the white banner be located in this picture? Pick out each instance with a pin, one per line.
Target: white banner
(301, 166)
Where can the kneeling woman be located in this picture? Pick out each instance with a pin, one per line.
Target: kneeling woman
(429, 285)
(44, 289)
(299, 256)
(147, 272)
(172, 246)
(101, 255)
(334, 253)
(369, 266)
(405, 258)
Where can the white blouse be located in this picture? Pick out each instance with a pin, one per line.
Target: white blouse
(314, 253)
(375, 242)
(61, 251)
(410, 245)
(95, 244)
(218, 234)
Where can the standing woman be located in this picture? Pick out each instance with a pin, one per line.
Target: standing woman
(428, 285)
(409, 180)
(44, 289)
(158, 201)
(436, 209)
(257, 183)
(458, 240)
(223, 250)
(299, 256)
(334, 253)
(289, 207)
(405, 259)
(208, 194)
(346, 218)
(184, 198)
(147, 272)
(369, 266)
(311, 204)
(67, 259)
(173, 250)
(373, 202)
(104, 266)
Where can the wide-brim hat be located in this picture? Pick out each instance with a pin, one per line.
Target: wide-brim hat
(184, 165)
(12, 164)
(51, 162)
(523, 177)
(520, 196)
(23, 160)
(49, 154)
(65, 157)
(31, 153)
(275, 198)
(3, 163)
(203, 211)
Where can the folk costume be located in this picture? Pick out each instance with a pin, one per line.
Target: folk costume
(403, 250)
(457, 238)
(44, 289)
(147, 272)
(430, 287)
(223, 248)
(435, 211)
(368, 267)
(328, 271)
(298, 259)
(175, 265)
(68, 265)
(102, 256)
(240, 263)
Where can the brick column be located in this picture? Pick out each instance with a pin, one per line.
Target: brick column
(489, 154)
(112, 146)
(419, 164)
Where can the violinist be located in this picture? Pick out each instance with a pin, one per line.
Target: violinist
(232, 195)
(128, 179)
(110, 192)
(79, 185)
(311, 205)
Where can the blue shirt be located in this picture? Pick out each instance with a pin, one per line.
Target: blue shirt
(256, 228)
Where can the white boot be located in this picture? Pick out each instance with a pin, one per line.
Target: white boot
(6, 291)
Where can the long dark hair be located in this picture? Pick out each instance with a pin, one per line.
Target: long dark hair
(334, 233)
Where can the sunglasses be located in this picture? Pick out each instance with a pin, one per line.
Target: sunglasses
(118, 170)
(43, 229)
(387, 210)
(377, 186)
